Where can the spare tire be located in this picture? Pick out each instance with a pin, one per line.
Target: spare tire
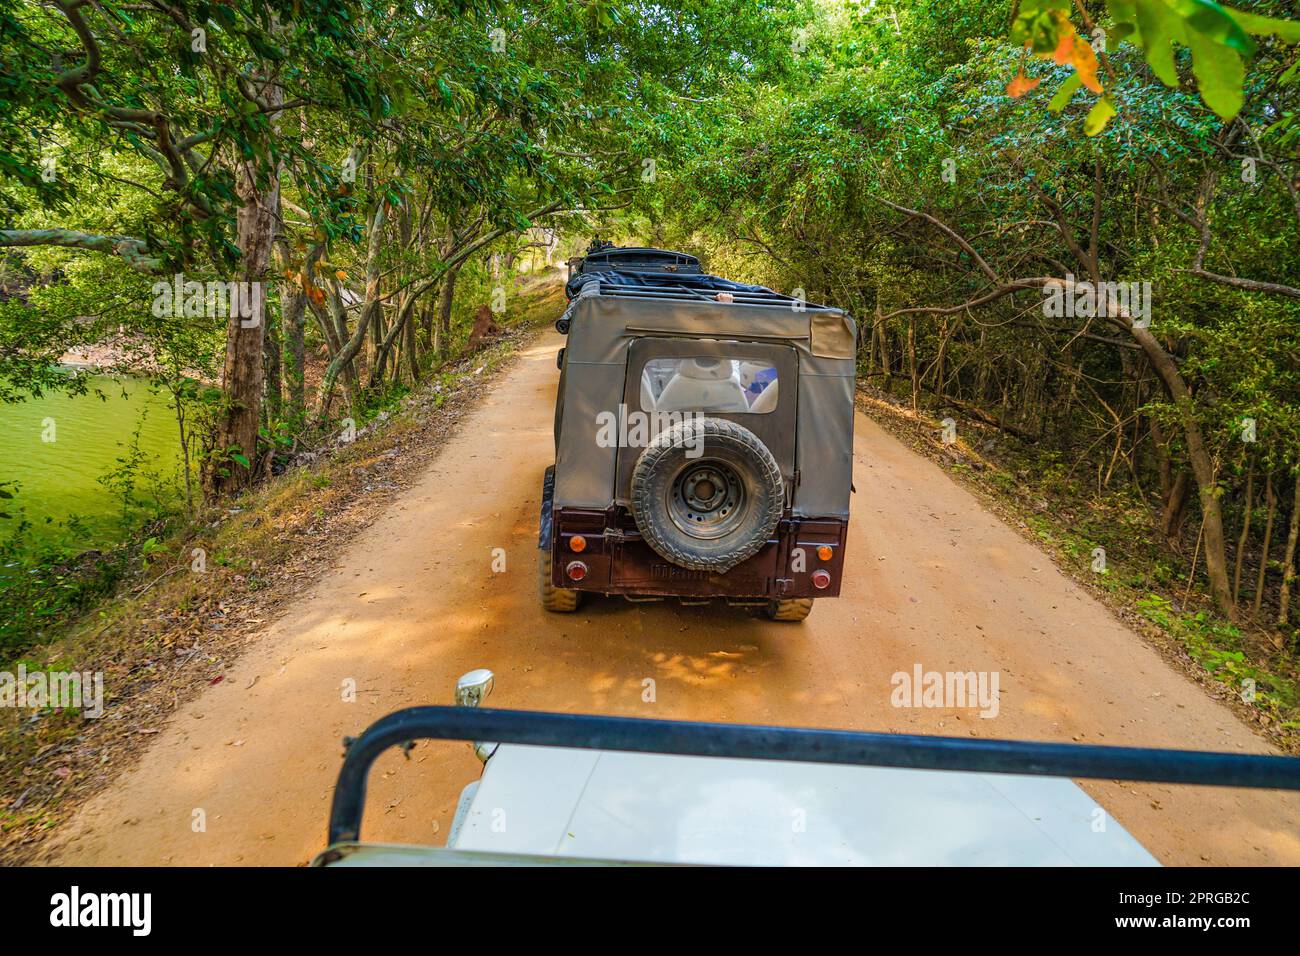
(712, 511)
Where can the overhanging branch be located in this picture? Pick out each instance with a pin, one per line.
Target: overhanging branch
(134, 252)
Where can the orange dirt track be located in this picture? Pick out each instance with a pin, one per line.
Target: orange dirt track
(931, 578)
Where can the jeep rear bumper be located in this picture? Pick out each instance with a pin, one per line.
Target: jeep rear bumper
(616, 560)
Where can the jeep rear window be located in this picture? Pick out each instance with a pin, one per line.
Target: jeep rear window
(707, 383)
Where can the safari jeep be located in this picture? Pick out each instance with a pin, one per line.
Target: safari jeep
(703, 439)
(594, 790)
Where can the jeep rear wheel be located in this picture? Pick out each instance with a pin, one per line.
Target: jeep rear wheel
(795, 609)
(556, 600)
(712, 511)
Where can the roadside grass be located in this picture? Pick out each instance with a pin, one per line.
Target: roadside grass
(1105, 539)
(54, 570)
(172, 622)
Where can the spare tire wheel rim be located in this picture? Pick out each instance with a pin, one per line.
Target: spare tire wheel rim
(713, 511)
(707, 499)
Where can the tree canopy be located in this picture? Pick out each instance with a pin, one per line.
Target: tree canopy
(943, 169)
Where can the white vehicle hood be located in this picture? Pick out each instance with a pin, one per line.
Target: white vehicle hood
(704, 810)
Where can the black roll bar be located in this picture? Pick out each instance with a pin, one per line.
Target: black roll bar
(692, 738)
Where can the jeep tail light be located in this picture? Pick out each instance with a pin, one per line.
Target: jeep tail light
(821, 578)
(577, 571)
(577, 543)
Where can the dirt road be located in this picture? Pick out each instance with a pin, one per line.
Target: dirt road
(931, 579)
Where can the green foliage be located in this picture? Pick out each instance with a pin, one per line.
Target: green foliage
(1218, 39)
(1218, 647)
(808, 145)
(47, 578)
(809, 186)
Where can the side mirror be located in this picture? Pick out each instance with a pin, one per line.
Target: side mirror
(471, 690)
(473, 687)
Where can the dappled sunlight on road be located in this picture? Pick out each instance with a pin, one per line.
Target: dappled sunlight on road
(930, 580)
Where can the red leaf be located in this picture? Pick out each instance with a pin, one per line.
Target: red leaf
(1021, 85)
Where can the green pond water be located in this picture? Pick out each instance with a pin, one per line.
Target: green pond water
(60, 478)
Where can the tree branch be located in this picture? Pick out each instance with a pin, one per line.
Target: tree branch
(134, 252)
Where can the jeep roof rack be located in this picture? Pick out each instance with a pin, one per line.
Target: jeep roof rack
(681, 292)
(661, 274)
(638, 259)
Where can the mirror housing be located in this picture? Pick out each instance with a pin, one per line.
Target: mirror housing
(471, 689)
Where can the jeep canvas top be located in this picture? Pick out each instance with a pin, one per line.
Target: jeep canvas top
(703, 439)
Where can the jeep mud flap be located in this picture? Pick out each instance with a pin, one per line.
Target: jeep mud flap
(545, 530)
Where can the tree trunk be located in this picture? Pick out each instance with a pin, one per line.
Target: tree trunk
(426, 325)
(350, 348)
(411, 349)
(886, 368)
(273, 372)
(386, 347)
(446, 298)
(939, 366)
(1216, 561)
(293, 316)
(1163, 462)
(241, 377)
(376, 355)
(1288, 561)
(1171, 521)
(911, 363)
(1271, 499)
(1245, 531)
(867, 344)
